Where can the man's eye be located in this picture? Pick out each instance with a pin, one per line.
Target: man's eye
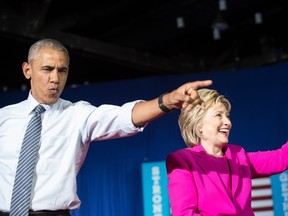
(63, 71)
(47, 68)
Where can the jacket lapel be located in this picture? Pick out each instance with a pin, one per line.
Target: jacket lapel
(204, 164)
(233, 167)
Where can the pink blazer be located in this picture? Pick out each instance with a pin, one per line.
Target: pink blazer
(195, 188)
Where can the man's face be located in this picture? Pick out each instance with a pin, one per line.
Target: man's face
(48, 73)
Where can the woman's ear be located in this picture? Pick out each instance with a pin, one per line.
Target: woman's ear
(199, 130)
(26, 70)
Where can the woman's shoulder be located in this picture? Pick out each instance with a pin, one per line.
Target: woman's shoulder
(187, 152)
(235, 147)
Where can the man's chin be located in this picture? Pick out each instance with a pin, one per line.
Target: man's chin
(52, 98)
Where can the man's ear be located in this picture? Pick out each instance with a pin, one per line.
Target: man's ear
(26, 70)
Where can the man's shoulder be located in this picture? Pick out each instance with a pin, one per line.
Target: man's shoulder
(66, 103)
(14, 106)
(81, 106)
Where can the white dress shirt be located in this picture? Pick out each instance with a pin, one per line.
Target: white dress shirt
(67, 130)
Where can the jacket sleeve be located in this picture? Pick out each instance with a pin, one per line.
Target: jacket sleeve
(266, 163)
(181, 187)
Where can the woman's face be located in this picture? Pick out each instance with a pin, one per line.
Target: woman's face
(215, 126)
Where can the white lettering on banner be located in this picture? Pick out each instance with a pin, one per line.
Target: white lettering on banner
(284, 188)
(156, 191)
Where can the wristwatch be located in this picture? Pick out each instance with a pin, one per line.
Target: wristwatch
(162, 105)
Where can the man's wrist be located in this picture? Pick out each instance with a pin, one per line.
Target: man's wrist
(161, 105)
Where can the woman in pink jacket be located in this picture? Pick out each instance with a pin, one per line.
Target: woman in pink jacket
(212, 177)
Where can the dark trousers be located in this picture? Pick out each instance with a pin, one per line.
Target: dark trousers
(43, 213)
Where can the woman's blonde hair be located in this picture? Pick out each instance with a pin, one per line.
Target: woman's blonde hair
(190, 121)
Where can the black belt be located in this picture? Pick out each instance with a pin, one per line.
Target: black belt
(43, 213)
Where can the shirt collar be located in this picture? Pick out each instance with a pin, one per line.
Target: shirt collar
(32, 103)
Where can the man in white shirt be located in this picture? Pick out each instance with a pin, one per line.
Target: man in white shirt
(68, 129)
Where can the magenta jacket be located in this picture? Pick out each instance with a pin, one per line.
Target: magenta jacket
(196, 188)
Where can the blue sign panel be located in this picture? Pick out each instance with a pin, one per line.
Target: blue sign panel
(155, 194)
(280, 193)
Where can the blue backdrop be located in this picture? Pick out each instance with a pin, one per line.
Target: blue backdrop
(109, 183)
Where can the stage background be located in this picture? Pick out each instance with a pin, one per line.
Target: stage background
(110, 183)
